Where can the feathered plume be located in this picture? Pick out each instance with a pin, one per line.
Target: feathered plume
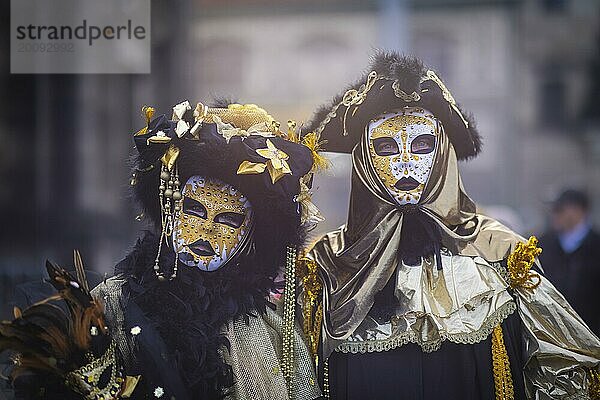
(313, 142)
(52, 340)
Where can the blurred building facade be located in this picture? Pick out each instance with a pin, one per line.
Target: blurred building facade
(522, 67)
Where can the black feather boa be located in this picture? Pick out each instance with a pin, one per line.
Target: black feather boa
(190, 311)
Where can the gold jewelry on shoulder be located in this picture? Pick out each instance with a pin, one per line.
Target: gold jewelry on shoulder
(519, 265)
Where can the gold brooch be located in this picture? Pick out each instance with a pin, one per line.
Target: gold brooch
(520, 262)
(276, 163)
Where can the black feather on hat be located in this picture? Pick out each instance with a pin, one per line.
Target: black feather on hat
(393, 81)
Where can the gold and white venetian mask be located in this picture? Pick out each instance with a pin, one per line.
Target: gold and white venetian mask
(402, 148)
(215, 221)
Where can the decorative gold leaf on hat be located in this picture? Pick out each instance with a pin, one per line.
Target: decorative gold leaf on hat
(276, 156)
(276, 163)
(248, 168)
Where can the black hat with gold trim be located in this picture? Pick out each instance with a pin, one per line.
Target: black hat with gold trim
(393, 82)
(243, 147)
(240, 145)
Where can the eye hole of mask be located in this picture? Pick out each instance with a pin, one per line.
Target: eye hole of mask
(231, 219)
(194, 207)
(385, 146)
(423, 144)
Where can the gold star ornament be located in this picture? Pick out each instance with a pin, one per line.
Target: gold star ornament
(276, 163)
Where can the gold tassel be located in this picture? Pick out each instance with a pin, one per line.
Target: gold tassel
(519, 264)
(148, 113)
(312, 141)
(309, 213)
(503, 383)
(312, 308)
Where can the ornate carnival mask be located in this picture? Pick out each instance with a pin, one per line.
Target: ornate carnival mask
(214, 223)
(402, 148)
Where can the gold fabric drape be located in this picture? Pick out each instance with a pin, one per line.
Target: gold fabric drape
(558, 344)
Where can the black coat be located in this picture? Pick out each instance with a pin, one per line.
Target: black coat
(455, 371)
(576, 275)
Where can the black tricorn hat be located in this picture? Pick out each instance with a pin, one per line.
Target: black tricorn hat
(393, 81)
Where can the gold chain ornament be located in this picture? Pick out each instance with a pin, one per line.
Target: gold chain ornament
(289, 304)
(354, 97)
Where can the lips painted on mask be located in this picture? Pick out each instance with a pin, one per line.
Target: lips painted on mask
(406, 184)
(202, 248)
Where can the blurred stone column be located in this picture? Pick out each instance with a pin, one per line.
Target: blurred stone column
(394, 33)
(107, 114)
(172, 69)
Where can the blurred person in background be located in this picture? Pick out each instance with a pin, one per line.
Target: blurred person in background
(571, 254)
